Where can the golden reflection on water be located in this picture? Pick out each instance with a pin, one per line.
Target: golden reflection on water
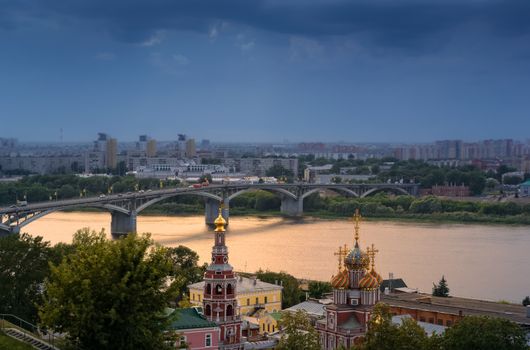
(488, 262)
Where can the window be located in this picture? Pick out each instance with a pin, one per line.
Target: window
(422, 319)
(441, 322)
(229, 289)
(431, 320)
(208, 310)
(193, 296)
(448, 323)
(208, 288)
(264, 327)
(248, 301)
(257, 300)
(218, 289)
(268, 327)
(199, 296)
(273, 328)
(265, 301)
(229, 310)
(208, 340)
(183, 341)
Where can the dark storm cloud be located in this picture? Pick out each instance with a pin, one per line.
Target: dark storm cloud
(401, 23)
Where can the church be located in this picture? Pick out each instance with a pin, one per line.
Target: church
(355, 292)
(220, 283)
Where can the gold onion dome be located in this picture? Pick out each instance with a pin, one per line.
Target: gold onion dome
(341, 280)
(220, 222)
(368, 282)
(376, 276)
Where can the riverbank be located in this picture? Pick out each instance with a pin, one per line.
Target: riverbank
(441, 218)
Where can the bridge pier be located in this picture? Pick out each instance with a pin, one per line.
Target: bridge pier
(292, 207)
(122, 224)
(211, 210)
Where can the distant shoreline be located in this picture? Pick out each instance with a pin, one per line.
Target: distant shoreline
(439, 218)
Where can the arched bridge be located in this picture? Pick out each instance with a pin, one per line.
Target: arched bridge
(125, 207)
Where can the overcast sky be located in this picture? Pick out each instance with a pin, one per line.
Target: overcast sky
(271, 70)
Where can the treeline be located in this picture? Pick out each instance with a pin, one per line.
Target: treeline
(414, 171)
(430, 207)
(393, 207)
(38, 188)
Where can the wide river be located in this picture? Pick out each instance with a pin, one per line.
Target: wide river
(479, 261)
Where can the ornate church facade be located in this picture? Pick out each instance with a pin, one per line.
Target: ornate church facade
(355, 292)
(220, 302)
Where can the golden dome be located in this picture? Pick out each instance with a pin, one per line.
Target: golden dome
(376, 276)
(341, 280)
(368, 282)
(220, 221)
(357, 259)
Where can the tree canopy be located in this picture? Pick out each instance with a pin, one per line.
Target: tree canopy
(291, 294)
(485, 333)
(23, 268)
(441, 289)
(298, 333)
(110, 294)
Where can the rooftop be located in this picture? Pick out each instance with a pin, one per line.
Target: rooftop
(244, 285)
(313, 308)
(429, 328)
(457, 306)
(189, 318)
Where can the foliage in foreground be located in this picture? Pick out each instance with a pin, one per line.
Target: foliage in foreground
(472, 332)
(298, 334)
(485, 333)
(23, 269)
(110, 294)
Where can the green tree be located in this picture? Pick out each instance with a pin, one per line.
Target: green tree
(317, 289)
(484, 333)
(23, 268)
(383, 334)
(526, 301)
(291, 294)
(298, 333)
(206, 177)
(336, 179)
(110, 294)
(279, 171)
(67, 191)
(185, 267)
(441, 289)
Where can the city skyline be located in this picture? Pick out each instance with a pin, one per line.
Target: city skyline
(266, 70)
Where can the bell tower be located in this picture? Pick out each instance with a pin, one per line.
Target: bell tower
(219, 302)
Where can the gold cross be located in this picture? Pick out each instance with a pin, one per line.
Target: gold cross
(357, 221)
(371, 253)
(341, 254)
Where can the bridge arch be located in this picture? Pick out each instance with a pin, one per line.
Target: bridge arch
(109, 207)
(340, 190)
(195, 193)
(394, 189)
(268, 189)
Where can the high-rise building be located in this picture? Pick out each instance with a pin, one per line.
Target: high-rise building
(111, 153)
(220, 282)
(190, 148)
(147, 145)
